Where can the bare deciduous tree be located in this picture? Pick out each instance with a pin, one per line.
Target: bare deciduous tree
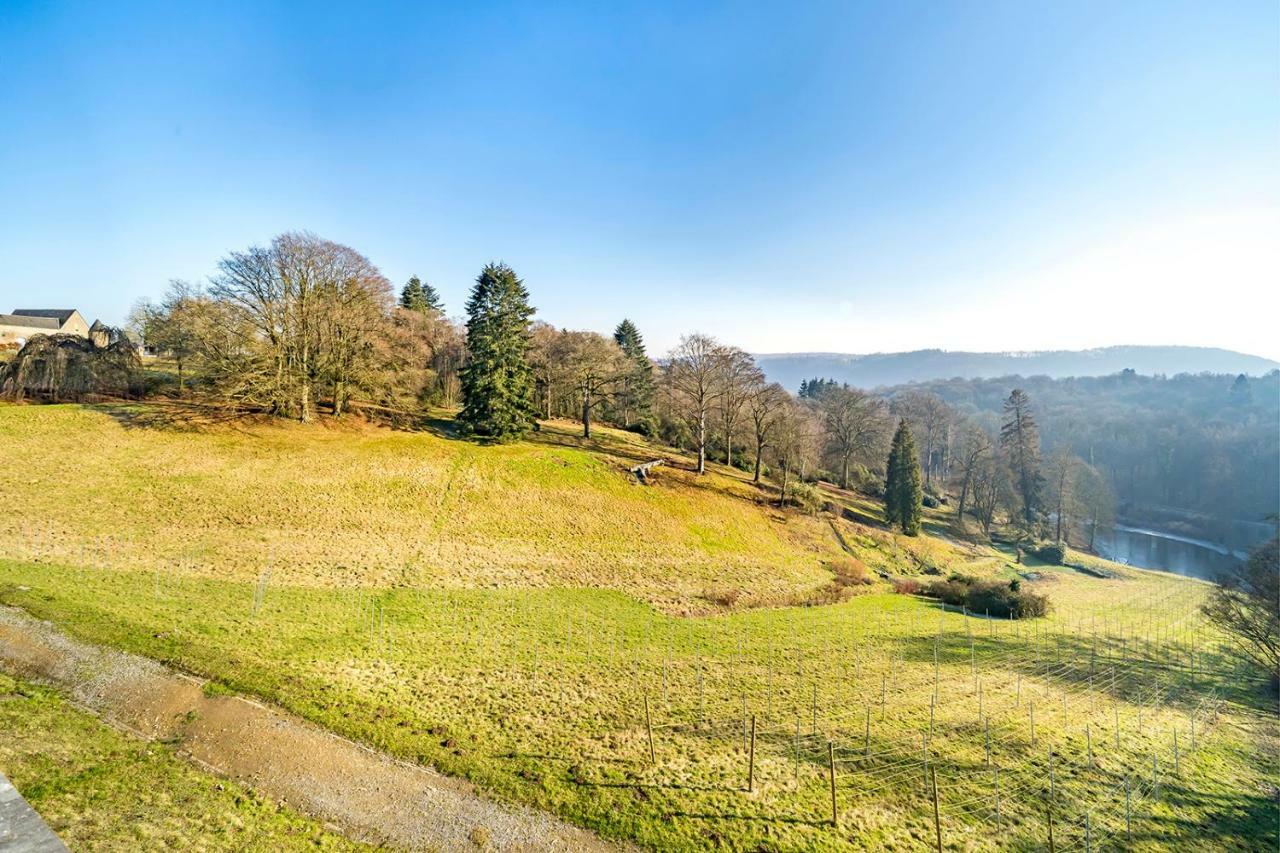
(765, 406)
(1246, 604)
(738, 375)
(975, 447)
(693, 371)
(594, 365)
(794, 441)
(931, 421)
(172, 326)
(856, 428)
(1063, 468)
(304, 309)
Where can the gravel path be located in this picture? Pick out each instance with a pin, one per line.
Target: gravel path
(368, 795)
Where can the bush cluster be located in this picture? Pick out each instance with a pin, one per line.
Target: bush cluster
(997, 598)
(804, 497)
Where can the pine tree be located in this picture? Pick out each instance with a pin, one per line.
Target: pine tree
(431, 297)
(497, 384)
(419, 296)
(1020, 439)
(903, 494)
(635, 401)
(412, 297)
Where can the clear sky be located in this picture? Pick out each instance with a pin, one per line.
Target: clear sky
(849, 177)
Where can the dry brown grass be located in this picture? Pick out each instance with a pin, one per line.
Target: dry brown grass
(353, 504)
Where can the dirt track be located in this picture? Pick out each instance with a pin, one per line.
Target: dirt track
(369, 796)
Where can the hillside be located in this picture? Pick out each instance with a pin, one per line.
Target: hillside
(875, 370)
(527, 617)
(349, 504)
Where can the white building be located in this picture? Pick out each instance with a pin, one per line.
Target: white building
(18, 326)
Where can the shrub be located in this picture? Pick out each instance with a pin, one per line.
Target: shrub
(952, 592)
(996, 598)
(804, 497)
(906, 586)
(1006, 600)
(849, 572)
(930, 501)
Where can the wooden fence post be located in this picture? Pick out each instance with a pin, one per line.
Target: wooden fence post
(648, 723)
(1128, 834)
(831, 762)
(937, 821)
(866, 747)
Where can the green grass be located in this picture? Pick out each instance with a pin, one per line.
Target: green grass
(101, 789)
(521, 656)
(349, 505)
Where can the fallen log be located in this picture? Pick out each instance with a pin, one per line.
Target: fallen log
(641, 472)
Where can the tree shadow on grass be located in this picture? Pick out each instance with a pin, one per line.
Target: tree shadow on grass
(178, 416)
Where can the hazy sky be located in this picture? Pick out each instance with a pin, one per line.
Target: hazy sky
(848, 177)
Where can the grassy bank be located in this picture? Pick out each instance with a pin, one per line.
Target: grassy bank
(101, 789)
(505, 614)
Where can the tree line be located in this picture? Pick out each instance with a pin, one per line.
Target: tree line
(305, 325)
(1170, 447)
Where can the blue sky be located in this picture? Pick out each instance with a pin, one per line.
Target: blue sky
(847, 177)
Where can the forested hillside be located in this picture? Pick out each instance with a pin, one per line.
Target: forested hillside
(895, 368)
(1195, 443)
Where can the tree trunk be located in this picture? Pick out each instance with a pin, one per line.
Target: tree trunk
(782, 495)
(586, 413)
(844, 472)
(1093, 530)
(304, 404)
(702, 442)
(759, 452)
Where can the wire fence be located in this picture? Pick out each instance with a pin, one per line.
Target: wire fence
(1075, 720)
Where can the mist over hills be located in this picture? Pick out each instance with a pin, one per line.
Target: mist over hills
(878, 369)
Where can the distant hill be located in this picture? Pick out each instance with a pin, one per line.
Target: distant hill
(872, 371)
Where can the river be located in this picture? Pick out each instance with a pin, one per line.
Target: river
(1152, 549)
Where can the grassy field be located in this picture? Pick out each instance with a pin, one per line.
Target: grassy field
(100, 789)
(506, 613)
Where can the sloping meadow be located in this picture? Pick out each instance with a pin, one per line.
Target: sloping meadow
(515, 615)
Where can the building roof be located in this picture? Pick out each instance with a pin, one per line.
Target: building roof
(28, 321)
(62, 315)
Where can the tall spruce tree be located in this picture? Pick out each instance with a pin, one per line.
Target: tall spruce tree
(1020, 439)
(497, 384)
(411, 296)
(903, 493)
(431, 297)
(635, 399)
(420, 296)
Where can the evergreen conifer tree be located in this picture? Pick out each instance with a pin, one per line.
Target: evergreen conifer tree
(1020, 439)
(497, 384)
(411, 297)
(431, 298)
(420, 296)
(903, 493)
(635, 401)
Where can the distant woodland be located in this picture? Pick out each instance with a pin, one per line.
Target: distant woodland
(1206, 443)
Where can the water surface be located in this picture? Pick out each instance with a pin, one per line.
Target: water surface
(1151, 549)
